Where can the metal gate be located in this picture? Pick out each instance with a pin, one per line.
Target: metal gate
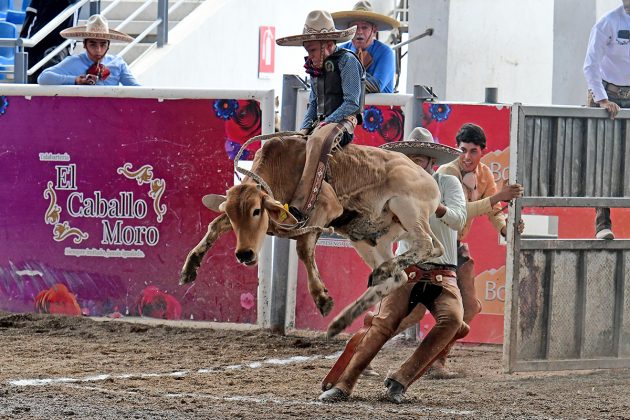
(568, 300)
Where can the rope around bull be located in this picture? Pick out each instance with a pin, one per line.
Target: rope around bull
(290, 232)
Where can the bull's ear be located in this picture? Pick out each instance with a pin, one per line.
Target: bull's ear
(278, 213)
(214, 202)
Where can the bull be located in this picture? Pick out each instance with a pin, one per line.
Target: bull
(384, 195)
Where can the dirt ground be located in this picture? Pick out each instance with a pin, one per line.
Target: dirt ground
(119, 370)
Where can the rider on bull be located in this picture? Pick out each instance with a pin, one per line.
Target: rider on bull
(431, 285)
(334, 108)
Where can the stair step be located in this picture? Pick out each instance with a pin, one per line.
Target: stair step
(134, 28)
(126, 7)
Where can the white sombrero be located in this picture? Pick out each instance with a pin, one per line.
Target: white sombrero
(319, 26)
(97, 27)
(421, 142)
(363, 11)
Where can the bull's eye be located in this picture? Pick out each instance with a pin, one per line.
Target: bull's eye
(256, 212)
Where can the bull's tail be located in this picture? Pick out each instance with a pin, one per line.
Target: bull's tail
(438, 248)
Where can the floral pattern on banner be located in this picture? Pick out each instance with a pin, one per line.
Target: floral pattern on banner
(381, 124)
(439, 112)
(155, 303)
(4, 104)
(57, 300)
(242, 122)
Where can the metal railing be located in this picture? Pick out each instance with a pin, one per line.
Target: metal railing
(21, 69)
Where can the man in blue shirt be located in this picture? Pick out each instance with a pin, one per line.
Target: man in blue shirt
(377, 57)
(334, 107)
(94, 66)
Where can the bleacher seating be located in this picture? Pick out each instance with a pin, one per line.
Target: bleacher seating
(7, 54)
(17, 16)
(5, 5)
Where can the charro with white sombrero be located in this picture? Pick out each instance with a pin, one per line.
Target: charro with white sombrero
(430, 284)
(377, 57)
(421, 142)
(334, 106)
(97, 27)
(93, 66)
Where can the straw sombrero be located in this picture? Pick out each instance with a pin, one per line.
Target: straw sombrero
(421, 142)
(319, 26)
(363, 11)
(97, 27)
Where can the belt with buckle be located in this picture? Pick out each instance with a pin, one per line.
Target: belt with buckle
(620, 91)
(437, 276)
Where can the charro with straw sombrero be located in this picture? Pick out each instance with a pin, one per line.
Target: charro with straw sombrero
(421, 142)
(319, 26)
(97, 27)
(363, 12)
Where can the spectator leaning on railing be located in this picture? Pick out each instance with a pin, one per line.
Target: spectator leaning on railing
(94, 66)
(607, 72)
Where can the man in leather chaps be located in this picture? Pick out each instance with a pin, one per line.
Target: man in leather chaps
(431, 285)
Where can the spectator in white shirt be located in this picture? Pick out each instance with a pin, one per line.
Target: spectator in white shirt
(607, 73)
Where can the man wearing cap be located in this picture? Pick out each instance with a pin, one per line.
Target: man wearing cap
(334, 106)
(93, 66)
(377, 57)
(607, 73)
(431, 284)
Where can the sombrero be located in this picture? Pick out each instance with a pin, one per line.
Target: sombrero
(363, 11)
(319, 26)
(421, 142)
(97, 27)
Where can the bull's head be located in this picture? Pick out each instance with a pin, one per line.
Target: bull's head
(250, 210)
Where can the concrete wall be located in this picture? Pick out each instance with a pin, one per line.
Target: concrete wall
(532, 51)
(217, 46)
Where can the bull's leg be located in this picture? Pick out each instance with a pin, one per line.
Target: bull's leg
(414, 216)
(216, 228)
(374, 256)
(306, 252)
(370, 297)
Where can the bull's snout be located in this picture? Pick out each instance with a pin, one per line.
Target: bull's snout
(246, 257)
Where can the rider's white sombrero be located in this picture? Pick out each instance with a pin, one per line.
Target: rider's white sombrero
(363, 11)
(421, 142)
(319, 26)
(97, 27)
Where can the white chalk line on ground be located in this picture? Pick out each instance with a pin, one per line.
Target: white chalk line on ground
(181, 373)
(404, 409)
(78, 383)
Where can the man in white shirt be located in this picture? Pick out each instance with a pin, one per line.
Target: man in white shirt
(431, 285)
(607, 73)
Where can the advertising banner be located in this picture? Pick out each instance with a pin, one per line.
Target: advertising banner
(101, 202)
(346, 275)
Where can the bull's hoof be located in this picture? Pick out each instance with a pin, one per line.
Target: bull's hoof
(325, 305)
(333, 395)
(185, 278)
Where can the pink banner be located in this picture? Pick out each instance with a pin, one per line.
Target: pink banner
(102, 202)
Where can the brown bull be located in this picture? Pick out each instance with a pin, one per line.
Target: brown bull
(384, 195)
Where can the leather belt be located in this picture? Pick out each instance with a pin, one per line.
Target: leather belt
(620, 91)
(436, 276)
